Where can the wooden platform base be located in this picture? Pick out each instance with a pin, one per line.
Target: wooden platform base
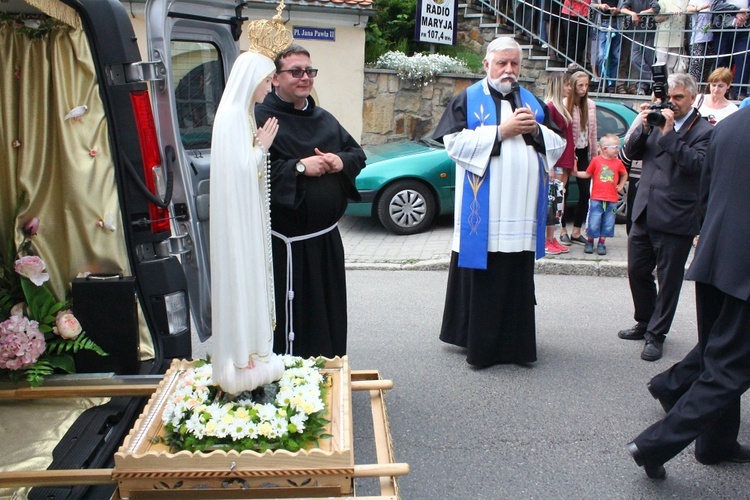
(144, 469)
(143, 465)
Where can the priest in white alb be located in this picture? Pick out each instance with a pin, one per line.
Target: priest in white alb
(503, 142)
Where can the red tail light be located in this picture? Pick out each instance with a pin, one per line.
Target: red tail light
(152, 168)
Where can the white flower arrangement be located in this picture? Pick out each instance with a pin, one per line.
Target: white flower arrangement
(289, 414)
(420, 68)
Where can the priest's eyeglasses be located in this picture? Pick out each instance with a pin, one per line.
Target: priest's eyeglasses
(297, 72)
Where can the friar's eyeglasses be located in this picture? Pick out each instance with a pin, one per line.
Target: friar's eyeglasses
(297, 72)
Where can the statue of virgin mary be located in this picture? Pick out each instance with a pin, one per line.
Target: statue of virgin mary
(242, 296)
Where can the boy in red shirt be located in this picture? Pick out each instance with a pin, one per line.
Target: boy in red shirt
(608, 176)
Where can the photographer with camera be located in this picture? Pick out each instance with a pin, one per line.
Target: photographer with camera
(671, 142)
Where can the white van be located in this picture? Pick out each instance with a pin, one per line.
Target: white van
(121, 190)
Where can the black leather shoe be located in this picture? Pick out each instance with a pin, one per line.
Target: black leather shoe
(740, 456)
(652, 350)
(635, 333)
(652, 471)
(667, 405)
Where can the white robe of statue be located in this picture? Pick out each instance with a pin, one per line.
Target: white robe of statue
(242, 299)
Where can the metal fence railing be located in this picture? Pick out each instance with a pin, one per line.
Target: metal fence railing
(617, 51)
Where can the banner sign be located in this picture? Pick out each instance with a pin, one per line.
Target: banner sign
(436, 21)
(310, 33)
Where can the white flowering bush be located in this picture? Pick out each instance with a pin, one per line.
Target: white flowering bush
(288, 414)
(420, 68)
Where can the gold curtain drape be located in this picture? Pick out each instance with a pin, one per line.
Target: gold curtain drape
(60, 171)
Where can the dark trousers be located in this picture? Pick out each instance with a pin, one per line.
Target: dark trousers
(649, 249)
(735, 43)
(575, 37)
(671, 384)
(709, 412)
(584, 191)
(642, 58)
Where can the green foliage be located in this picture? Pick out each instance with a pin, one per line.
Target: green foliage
(468, 56)
(392, 30)
(36, 373)
(58, 346)
(55, 354)
(32, 26)
(41, 305)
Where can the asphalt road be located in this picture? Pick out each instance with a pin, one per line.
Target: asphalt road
(555, 430)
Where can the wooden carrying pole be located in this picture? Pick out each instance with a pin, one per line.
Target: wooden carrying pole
(114, 387)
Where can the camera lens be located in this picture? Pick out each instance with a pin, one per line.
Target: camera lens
(655, 119)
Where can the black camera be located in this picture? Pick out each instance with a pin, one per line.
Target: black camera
(661, 91)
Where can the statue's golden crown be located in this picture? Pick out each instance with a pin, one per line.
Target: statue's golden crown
(269, 37)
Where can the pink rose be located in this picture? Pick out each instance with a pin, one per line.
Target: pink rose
(32, 267)
(67, 326)
(32, 226)
(17, 310)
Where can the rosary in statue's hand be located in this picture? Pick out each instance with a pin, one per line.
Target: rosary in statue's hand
(267, 133)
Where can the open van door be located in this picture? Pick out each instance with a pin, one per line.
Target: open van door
(197, 43)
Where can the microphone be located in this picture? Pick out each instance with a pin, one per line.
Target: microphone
(515, 89)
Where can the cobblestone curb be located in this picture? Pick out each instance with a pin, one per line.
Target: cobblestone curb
(614, 269)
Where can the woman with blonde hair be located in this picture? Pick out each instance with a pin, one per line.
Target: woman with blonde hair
(715, 106)
(583, 113)
(558, 88)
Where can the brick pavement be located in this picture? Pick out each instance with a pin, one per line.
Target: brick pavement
(368, 245)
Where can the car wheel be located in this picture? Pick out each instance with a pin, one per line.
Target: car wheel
(621, 215)
(406, 207)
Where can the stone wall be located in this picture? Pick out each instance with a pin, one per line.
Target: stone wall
(395, 110)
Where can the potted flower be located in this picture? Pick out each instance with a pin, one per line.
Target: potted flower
(38, 333)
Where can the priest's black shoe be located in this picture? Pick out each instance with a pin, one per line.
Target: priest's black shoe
(667, 405)
(637, 332)
(652, 471)
(740, 456)
(652, 350)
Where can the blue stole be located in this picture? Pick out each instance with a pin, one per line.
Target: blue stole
(475, 203)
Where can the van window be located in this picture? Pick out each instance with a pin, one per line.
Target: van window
(199, 83)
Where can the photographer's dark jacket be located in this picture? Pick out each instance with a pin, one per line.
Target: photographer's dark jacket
(669, 185)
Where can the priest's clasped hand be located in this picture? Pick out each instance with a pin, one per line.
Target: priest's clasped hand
(521, 122)
(322, 163)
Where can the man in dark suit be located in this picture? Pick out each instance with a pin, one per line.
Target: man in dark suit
(665, 211)
(709, 412)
